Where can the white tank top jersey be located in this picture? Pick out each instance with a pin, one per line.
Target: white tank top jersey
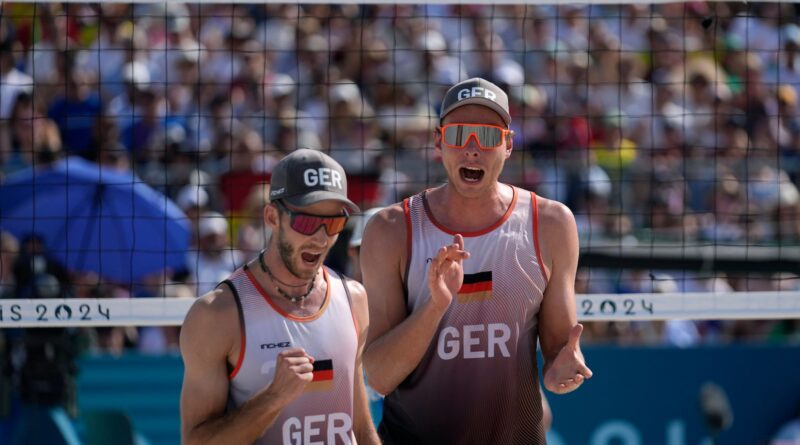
(478, 381)
(323, 414)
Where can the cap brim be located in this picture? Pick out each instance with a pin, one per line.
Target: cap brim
(480, 101)
(312, 198)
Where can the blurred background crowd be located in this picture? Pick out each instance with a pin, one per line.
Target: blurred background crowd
(653, 123)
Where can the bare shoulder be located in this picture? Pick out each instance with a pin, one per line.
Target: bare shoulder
(359, 305)
(555, 219)
(385, 233)
(357, 291)
(388, 223)
(383, 259)
(212, 323)
(558, 234)
(216, 304)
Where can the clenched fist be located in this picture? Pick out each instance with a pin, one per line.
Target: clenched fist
(293, 371)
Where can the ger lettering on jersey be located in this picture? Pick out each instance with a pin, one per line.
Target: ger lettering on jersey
(481, 364)
(323, 414)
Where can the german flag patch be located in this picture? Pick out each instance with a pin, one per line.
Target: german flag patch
(476, 287)
(323, 376)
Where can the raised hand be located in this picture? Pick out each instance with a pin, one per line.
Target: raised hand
(446, 272)
(568, 371)
(293, 371)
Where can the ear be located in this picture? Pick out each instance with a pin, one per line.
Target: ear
(509, 143)
(272, 216)
(437, 139)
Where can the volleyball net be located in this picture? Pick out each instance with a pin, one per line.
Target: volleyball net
(670, 129)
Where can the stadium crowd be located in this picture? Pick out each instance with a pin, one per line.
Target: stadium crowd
(670, 122)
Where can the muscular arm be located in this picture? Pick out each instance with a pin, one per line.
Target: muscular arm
(559, 332)
(208, 336)
(395, 344)
(363, 426)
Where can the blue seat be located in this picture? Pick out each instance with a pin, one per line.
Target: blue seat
(102, 427)
(45, 426)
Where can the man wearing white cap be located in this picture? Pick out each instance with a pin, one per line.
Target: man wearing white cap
(193, 200)
(214, 259)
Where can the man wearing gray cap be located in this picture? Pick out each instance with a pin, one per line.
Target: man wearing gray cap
(273, 354)
(463, 279)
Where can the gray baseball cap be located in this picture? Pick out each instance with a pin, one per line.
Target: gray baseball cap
(476, 91)
(305, 177)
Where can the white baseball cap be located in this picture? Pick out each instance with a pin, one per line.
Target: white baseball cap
(192, 195)
(212, 223)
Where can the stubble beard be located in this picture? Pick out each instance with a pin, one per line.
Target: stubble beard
(287, 253)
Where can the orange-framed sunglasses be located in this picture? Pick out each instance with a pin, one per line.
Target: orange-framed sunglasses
(487, 136)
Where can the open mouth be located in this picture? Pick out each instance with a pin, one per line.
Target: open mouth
(310, 258)
(470, 174)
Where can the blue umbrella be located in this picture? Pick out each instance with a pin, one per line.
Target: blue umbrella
(96, 219)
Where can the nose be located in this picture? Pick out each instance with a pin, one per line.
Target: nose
(320, 237)
(472, 148)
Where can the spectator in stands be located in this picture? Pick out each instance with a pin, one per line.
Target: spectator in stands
(155, 339)
(12, 83)
(77, 109)
(252, 234)
(126, 106)
(33, 138)
(246, 165)
(9, 249)
(214, 258)
(138, 136)
(194, 200)
(110, 339)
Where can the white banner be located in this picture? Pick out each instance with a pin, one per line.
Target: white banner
(689, 306)
(93, 312)
(590, 307)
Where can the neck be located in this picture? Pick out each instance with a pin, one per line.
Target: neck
(466, 213)
(293, 290)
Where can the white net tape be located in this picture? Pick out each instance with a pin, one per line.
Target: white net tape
(84, 312)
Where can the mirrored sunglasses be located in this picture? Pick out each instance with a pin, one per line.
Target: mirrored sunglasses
(307, 224)
(487, 136)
